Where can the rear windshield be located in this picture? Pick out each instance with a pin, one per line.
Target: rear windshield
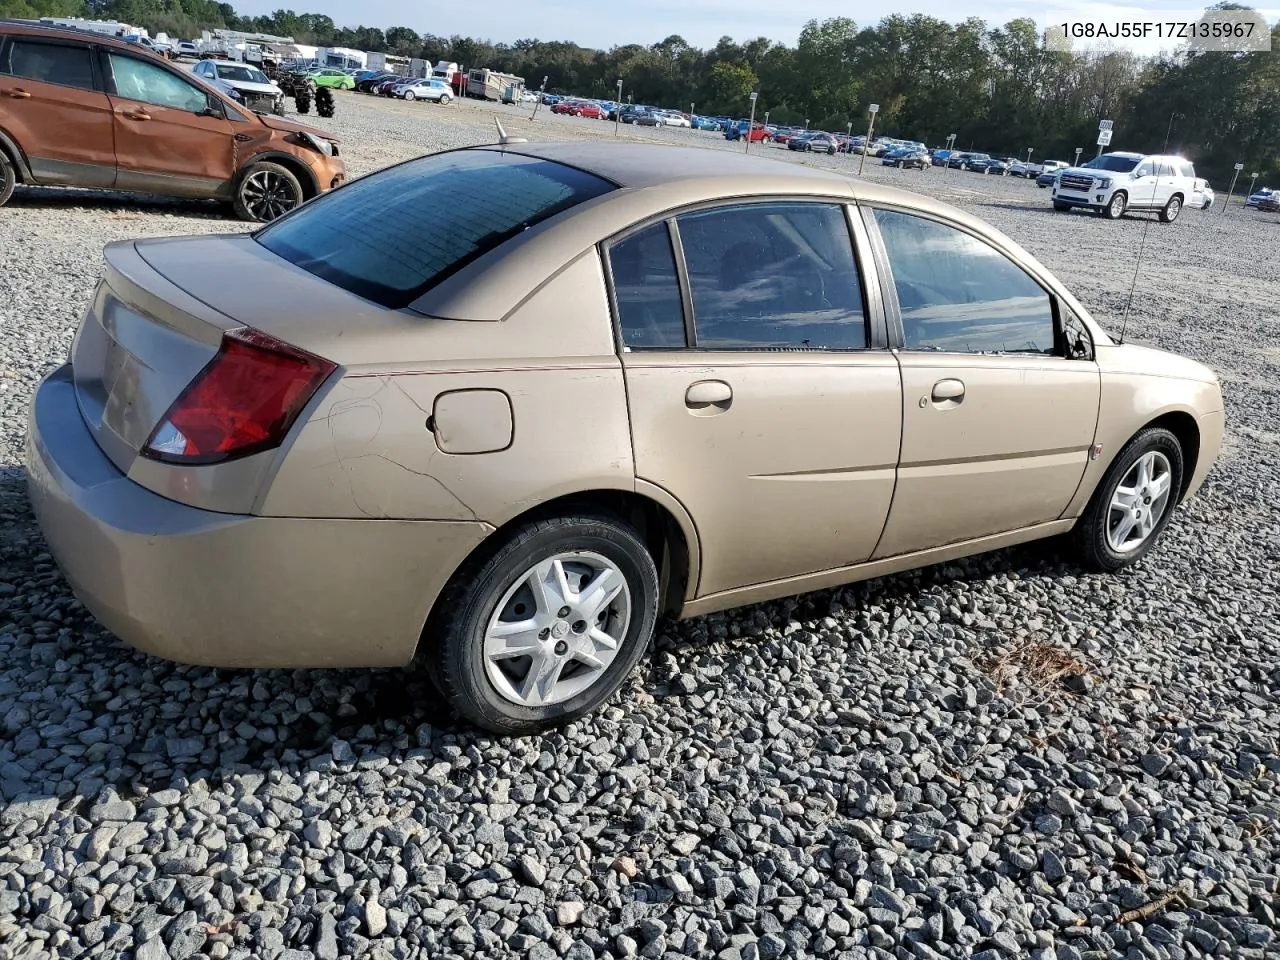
(391, 236)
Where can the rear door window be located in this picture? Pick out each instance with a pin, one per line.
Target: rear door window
(646, 289)
(67, 64)
(393, 236)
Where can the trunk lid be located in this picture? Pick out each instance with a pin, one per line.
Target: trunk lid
(252, 285)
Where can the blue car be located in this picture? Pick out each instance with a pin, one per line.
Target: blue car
(705, 123)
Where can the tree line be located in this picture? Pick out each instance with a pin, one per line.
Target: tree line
(996, 87)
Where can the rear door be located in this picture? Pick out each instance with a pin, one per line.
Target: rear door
(171, 136)
(52, 103)
(761, 394)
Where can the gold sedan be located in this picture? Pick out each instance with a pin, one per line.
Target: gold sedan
(501, 408)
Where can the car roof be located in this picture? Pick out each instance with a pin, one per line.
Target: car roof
(654, 178)
(22, 27)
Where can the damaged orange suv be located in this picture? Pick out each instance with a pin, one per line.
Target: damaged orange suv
(78, 109)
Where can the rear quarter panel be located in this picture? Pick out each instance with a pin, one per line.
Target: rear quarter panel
(369, 448)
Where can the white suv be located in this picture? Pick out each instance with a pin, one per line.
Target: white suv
(1115, 182)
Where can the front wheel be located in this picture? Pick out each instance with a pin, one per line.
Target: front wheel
(266, 190)
(8, 179)
(410, 95)
(1115, 209)
(445, 98)
(1171, 210)
(544, 628)
(1133, 503)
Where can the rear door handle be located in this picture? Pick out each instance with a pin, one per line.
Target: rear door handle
(945, 390)
(708, 393)
(17, 93)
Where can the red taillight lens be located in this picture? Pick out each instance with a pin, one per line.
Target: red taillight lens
(244, 401)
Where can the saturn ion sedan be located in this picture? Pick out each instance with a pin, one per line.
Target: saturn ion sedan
(502, 408)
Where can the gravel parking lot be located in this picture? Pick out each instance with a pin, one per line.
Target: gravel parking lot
(993, 758)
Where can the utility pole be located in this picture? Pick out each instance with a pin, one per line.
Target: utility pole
(617, 114)
(752, 122)
(871, 124)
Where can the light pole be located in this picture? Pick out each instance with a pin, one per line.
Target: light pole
(806, 123)
(872, 111)
(1231, 189)
(1253, 179)
(752, 122)
(617, 113)
(691, 106)
(1030, 150)
(766, 118)
(848, 135)
(1079, 150)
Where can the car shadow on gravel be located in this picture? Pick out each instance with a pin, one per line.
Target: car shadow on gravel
(109, 201)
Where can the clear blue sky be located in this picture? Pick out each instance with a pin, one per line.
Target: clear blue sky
(595, 23)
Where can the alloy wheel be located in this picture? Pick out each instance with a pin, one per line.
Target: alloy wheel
(1139, 502)
(557, 629)
(268, 195)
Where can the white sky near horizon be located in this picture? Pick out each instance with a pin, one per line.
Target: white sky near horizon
(702, 23)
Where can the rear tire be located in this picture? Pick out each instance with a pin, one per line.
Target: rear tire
(1171, 209)
(1098, 530)
(494, 591)
(8, 179)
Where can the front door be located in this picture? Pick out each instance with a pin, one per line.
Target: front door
(52, 101)
(998, 413)
(755, 396)
(168, 139)
(1152, 185)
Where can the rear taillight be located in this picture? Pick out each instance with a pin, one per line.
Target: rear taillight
(244, 401)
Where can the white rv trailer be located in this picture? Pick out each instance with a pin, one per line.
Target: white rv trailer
(491, 85)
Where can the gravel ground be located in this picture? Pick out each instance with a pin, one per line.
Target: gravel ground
(997, 757)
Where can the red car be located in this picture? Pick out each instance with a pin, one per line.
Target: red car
(579, 108)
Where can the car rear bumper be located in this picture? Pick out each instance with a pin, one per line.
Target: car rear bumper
(222, 589)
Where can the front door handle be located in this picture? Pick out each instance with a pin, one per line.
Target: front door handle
(947, 390)
(708, 393)
(17, 93)
(138, 115)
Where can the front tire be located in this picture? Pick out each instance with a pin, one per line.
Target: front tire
(445, 98)
(1114, 210)
(1171, 209)
(1133, 504)
(544, 628)
(266, 191)
(8, 179)
(410, 95)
